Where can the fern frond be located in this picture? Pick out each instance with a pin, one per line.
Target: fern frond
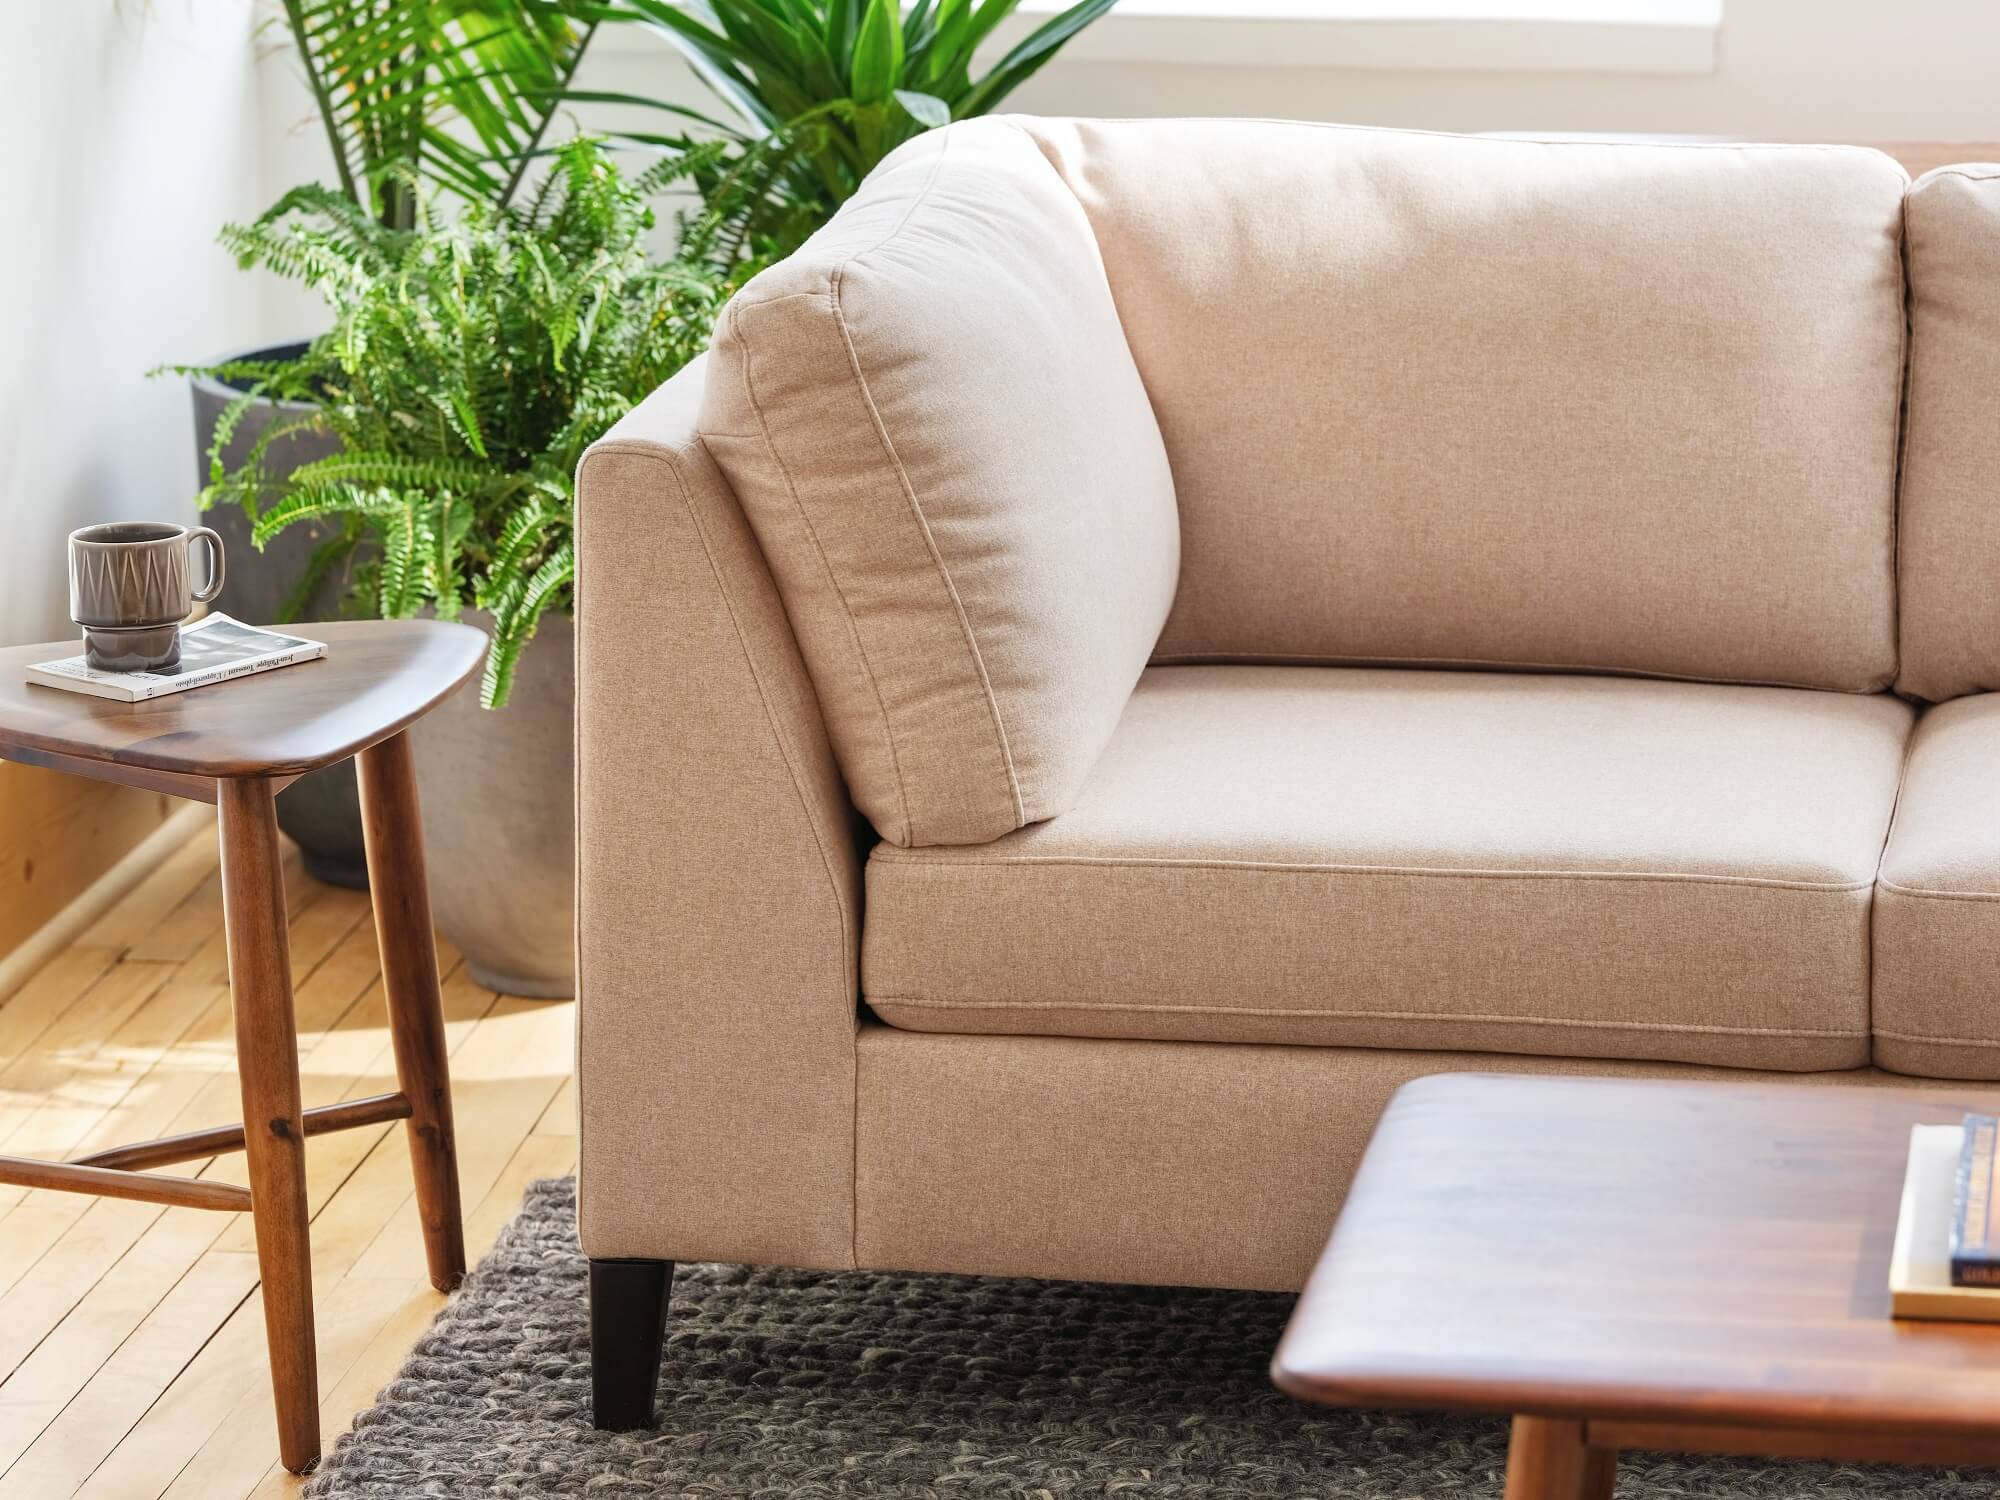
(302, 504)
(407, 542)
(513, 629)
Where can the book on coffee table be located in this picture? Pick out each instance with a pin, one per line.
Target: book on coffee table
(1975, 1236)
(213, 649)
(1920, 1284)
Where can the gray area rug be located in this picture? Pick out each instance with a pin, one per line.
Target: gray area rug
(790, 1383)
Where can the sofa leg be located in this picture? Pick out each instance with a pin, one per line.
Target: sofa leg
(628, 1326)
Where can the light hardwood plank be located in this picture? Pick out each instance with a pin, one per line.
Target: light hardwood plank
(155, 897)
(131, 1336)
(232, 1453)
(560, 1117)
(195, 1237)
(133, 1378)
(36, 1006)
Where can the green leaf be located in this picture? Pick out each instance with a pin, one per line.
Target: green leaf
(514, 625)
(843, 19)
(1025, 60)
(391, 79)
(927, 110)
(878, 54)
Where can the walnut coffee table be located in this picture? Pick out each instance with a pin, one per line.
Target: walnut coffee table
(237, 744)
(1680, 1266)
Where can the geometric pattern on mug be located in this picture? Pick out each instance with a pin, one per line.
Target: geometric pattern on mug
(131, 583)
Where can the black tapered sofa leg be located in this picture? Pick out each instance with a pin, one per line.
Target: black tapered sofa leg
(628, 1326)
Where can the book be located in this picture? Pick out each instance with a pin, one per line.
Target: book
(1920, 1283)
(213, 649)
(1975, 1237)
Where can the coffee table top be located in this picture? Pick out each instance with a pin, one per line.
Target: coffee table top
(1638, 1251)
(376, 677)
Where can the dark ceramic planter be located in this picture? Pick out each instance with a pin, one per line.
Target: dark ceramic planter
(498, 790)
(320, 812)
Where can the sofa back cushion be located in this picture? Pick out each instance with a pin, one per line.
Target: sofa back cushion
(1950, 543)
(1446, 399)
(934, 425)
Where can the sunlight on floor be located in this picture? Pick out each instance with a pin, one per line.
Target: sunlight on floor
(131, 1338)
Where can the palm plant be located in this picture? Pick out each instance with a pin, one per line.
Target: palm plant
(470, 363)
(456, 93)
(826, 88)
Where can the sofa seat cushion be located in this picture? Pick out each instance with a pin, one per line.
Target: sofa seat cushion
(1937, 908)
(1561, 865)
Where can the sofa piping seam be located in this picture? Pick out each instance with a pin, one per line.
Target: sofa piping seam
(1930, 893)
(930, 861)
(1960, 171)
(1007, 767)
(833, 578)
(1936, 1041)
(1289, 1012)
(1320, 658)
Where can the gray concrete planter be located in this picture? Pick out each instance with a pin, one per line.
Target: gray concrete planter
(320, 812)
(499, 796)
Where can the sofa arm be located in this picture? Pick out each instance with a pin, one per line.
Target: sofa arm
(718, 879)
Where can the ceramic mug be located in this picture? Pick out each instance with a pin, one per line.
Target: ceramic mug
(131, 585)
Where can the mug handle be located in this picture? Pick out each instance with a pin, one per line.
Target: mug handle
(214, 585)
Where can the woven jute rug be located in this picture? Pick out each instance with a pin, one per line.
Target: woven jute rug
(789, 1383)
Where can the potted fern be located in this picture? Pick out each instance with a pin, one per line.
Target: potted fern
(451, 93)
(472, 359)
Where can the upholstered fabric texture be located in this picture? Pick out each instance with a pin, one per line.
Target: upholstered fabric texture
(718, 888)
(937, 432)
(1360, 856)
(1937, 904)
(1177, 1163)
(1950, 547)
(1445, 399)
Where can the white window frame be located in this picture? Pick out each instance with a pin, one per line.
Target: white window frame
(1663, 37)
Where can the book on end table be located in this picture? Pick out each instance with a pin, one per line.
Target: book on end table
(213, 649)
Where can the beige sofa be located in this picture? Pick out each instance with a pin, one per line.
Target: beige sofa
(1145, 636)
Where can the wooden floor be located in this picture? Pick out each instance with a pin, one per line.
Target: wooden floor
(131, 1336)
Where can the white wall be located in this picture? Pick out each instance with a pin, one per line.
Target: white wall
(131, 133)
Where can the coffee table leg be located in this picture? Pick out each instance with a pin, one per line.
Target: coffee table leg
(1548, 1459)
(401, 892)
(267, 1062)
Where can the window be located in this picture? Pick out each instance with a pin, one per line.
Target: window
(1591, 36)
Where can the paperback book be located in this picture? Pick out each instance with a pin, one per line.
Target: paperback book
(213, 649)
(1975, 1234)
(1920, 1284)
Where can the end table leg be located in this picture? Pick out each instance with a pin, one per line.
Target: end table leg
(267, 1062)
(1549, 1459)
(400, 889)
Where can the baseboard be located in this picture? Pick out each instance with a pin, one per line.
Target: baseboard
(17, 967)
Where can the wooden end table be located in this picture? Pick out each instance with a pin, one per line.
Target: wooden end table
(237, 744)
(1670, 1266)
